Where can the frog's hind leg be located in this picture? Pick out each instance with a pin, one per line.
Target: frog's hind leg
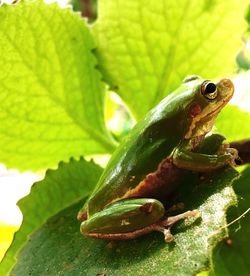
(165, 225)
(131, 218)
(124, 219)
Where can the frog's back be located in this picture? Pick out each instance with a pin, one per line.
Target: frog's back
(140, 153)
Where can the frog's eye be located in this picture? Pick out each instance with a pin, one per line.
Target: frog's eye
(209, 90)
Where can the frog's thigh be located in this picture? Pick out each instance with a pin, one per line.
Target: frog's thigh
(124, 216)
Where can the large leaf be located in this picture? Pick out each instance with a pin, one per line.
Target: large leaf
(59, 189)
(51, 95)
(232, 256)
(146, 47)
(64, 251)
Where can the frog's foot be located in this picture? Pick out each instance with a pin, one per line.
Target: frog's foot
(165, 225)
(226, 150)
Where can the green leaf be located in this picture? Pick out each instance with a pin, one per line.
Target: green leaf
(234, 123)
(51, 95)
(232, 256)
(65, 251)
(146, 48)
(59, 189)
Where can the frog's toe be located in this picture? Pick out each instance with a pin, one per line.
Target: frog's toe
(168, 236)
(165, 225)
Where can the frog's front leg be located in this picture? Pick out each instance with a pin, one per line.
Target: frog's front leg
(184, 158)
(130, 218)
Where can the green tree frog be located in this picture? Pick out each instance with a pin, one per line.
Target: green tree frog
(141, 175)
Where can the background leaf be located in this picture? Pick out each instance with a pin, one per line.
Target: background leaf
(59, 189)
(74, 254)
(233, 123)
(145, 48)
(51, 96)
(231, 257)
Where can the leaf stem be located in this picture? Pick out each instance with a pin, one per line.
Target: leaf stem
(243, 147)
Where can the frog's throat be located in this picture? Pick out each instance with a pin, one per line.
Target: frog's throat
(203, 123)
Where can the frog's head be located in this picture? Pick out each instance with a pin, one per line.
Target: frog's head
(208, 100)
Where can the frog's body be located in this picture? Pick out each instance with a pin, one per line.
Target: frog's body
(147, 164)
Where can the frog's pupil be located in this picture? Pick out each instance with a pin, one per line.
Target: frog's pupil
(210, 88)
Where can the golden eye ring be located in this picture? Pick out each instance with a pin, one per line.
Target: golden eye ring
(209, 90)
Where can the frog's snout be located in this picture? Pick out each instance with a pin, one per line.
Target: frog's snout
(226, 85)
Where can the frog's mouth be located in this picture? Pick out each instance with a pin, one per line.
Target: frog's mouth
(215, 112)
(203, 122)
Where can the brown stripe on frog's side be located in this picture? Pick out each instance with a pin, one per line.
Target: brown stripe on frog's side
(158, 184)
